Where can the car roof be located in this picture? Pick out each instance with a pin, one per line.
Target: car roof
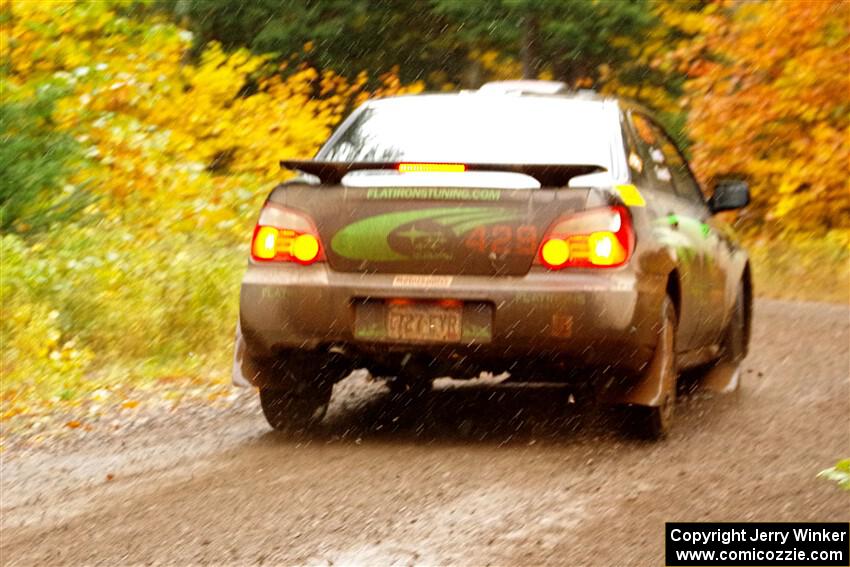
(498, 101)
(588, 96)
(505, 91)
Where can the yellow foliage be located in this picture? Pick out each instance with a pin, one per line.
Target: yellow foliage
(497, 66)
(772, 102)
(32, 338)
(194, 142)
(667, 48)
(180, 154)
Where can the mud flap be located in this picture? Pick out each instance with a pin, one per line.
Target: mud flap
(647, 390)
(650, 388)
(241, 363)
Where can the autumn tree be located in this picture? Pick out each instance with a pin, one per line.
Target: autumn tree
(348, 36)
(772, 102)
(439, 41)
(164, 158)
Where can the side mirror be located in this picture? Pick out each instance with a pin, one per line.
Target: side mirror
(729, 194)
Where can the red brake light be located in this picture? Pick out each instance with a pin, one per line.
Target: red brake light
(284, 235)
(599, 238)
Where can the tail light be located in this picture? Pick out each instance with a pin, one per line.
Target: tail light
(284, 235)
(599, 238)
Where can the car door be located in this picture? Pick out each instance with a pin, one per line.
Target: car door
(713, 254)
(669, 214)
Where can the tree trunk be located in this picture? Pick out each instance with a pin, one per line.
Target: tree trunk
(530, 60)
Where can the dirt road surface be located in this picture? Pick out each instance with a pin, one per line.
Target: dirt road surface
(484, 474)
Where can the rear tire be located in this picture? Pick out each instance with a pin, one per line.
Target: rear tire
(298, 400)
(652, 422)
(293, 413)
(655, 422)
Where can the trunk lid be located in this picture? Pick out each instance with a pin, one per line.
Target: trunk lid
(431, 230)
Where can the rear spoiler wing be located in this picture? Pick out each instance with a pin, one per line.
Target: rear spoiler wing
(549, 175)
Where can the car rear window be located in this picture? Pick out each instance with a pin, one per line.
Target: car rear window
(476, 129)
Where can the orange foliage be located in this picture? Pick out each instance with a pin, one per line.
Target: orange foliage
(772, 102)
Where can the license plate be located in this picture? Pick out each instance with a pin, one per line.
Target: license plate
(428, 323)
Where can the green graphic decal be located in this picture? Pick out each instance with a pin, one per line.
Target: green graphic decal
(678, 238)
(662, 228)
(373, 331)
(472, 332)
(419, 234)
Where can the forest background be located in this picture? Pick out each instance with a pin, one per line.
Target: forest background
(139, 139)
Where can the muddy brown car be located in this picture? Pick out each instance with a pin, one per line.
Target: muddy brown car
(521, 228)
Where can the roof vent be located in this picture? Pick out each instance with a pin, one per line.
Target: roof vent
(525, 87)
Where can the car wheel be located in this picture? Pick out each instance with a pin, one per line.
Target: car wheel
(298, 397)
(295, 410)
(655, 422)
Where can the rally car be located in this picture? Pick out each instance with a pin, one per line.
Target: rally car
(520, 228)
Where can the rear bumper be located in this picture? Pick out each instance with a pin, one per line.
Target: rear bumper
(604, 318)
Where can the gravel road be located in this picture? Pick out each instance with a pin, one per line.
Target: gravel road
(486, 473)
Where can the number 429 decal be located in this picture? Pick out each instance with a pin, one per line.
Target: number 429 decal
(503, 239)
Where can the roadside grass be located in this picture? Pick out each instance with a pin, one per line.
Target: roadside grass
(89, 310)
(93, 316)
(802, 267)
